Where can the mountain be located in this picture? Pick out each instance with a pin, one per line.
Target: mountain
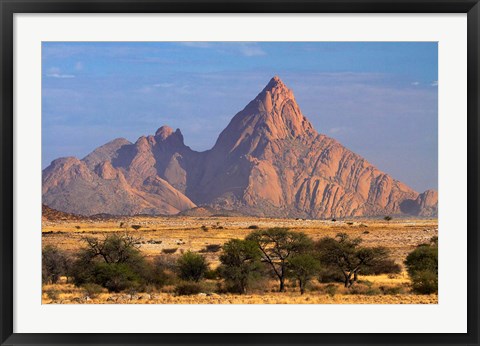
(268, 161)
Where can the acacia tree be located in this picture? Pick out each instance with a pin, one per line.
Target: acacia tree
(240, 263)
(277, 246)
(112, 249)
(346, 254)
(114, 262)
(303, 268)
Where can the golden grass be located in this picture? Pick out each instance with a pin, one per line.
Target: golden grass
(69, 294)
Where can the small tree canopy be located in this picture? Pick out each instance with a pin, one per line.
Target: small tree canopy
(303, 267)
(277, 246)
(346, 254)
(422, 267)
(192, 266)
(240, 263)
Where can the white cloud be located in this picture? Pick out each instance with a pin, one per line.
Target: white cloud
(55, 72)
(415, 83)
(434, 83)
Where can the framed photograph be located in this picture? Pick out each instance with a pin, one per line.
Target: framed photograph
(263, 172)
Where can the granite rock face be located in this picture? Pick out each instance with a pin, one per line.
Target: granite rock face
(269, 161)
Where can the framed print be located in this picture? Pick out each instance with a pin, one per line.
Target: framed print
(241, 173)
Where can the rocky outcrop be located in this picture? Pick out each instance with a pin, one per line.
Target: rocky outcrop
(268, 161)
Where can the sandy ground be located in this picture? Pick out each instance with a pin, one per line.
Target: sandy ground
(185, 233)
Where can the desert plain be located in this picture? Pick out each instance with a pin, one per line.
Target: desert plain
(174, 235)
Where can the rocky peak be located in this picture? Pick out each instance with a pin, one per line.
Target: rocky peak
(273, 114)
(166, 133)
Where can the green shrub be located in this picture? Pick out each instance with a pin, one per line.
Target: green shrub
(386, 266)
(422, 267)
(115, 277)
(169, 251)
(188, 288)
(192, 266)
(328, 274)
(114, 263)
(212, 248)
(211, 274)
(425, 282)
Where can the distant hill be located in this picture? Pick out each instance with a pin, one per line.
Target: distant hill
(50, 214)
(268, 161)
(206, 211)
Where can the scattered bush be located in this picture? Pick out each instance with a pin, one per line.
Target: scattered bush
(204, 228)
(188, 288)
(387, 218)
(169, 251)
(136, 227)
(212, 248)
(253, 227)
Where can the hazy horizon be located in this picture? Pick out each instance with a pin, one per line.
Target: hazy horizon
(377, 99)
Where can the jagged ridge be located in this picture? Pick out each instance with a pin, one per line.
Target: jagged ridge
(268, 161)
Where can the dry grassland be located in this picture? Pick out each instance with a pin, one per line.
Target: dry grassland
(158, 234)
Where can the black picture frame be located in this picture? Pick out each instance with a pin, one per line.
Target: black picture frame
(10, 7)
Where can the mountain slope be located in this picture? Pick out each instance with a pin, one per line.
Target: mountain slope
(268, 161)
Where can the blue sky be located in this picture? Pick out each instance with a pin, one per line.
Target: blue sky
(378, 99)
